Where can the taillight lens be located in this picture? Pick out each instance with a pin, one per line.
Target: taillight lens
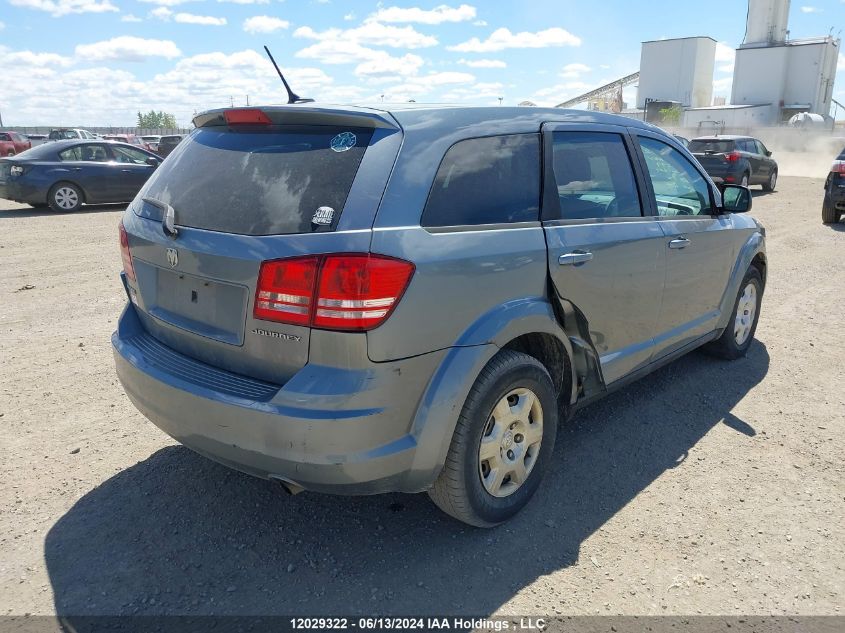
(286, 290)
(838, 167)
(351, 292)
(125, 254)
(246, 116)
(732, 157)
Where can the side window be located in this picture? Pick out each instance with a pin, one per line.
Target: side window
(5, 137)
(94, 153)
(71, 154)
(129, 155)
(761, 149)
(489, 180)
(678, 186)
(593, 176)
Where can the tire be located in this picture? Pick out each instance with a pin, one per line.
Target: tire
(460, 489)
(772, 182)
(11, 152)
(829, 214)
(65, 197)
(739, 334)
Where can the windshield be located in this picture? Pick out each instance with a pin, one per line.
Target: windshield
(710, 146)
(259, 182)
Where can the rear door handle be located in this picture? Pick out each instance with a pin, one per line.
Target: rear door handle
(679, 242)
(571, 259)
(126, 171)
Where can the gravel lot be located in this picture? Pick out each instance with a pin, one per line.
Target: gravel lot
(707, 487)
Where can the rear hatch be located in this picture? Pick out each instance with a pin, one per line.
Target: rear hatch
(246, 187)
(715, 155)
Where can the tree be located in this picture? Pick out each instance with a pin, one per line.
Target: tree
(671, 115)
(153, 120)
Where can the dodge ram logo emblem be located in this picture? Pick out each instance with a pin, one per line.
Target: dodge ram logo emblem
(172, 257)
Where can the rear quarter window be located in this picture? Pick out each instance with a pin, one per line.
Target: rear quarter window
(267, 181)
(490, 180)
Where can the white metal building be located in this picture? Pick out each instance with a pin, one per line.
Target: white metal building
(678, 70)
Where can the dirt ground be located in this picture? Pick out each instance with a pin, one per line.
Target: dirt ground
(708, 487)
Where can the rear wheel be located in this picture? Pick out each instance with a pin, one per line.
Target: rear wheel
(773, 180)
(829, 213)
(65, 196)
(739, 334)
(502, 442)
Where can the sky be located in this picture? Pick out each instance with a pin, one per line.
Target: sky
(98, 62)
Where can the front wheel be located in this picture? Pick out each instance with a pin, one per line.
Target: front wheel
(65, 197)
(502, 443)
(772, 182)
(739, 334)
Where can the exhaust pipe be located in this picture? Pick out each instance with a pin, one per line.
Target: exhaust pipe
(290, 487)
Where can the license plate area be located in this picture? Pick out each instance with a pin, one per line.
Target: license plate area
(210, 308)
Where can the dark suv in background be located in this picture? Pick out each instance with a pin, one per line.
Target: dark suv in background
(357, 300)
(833, 207)
(740, 160)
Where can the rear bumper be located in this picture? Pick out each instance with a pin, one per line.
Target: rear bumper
(727, 175)
(20, 192)
(336, 430)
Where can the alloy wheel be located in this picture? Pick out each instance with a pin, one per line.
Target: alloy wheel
(511, 442)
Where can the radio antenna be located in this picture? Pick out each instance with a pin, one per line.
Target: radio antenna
(292, 96)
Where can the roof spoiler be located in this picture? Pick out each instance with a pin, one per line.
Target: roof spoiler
(295, 115)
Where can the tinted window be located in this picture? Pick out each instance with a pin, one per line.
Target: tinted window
(489, 180)
(761, 149)
(93, 153)
(678, 186)
(593, 175)
(710, 146)
(71, 154)
(266, 181)
(129, 155)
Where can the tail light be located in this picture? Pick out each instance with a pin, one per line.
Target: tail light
(128, 268)
(838, 167)
(351, 292)
(246, 116)
(733, 157)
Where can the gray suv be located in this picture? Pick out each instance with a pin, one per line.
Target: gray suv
(360, 300)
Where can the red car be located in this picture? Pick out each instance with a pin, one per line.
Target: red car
(12, 143)
(129, 138)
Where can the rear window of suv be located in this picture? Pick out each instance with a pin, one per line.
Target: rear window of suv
(267, 181)
(705, 146)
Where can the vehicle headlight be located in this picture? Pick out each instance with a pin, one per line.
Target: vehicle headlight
(16, 170)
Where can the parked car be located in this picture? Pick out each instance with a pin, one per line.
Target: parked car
(130, 139)
(70, 133)
(833, 207)
(37, 139)
(403, 299)
(67, 174)
(736, 159)
(12, 143)
(152, 141)
(168, 143)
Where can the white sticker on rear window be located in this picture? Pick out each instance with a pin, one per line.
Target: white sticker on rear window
(323, 216)
(343, 142)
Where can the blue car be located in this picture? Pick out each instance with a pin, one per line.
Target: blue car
(67, 174)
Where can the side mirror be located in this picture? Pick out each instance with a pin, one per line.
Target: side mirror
(768, 152)
(736, 199)
(153, 162)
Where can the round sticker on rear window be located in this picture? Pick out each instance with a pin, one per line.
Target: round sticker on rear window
(343, 141)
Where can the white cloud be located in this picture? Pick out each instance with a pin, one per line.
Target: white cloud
(480, 23)
(166, 3)
(502, 39)
(725, 54)
(162, 13)
(2, 26)
(371, 33)
(806, 9)
(574, 71)
(246, 1)
(264, 24)
(349, 16)
(28, 58)
(127, 48)
(483, 63)
(204, 20)
(383, 63)
(370, 62)
(58, 8)
(437, 15)
(840, 65)
(130, 18)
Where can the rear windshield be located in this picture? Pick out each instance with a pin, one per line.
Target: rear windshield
(267, 181)
(710, 146)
